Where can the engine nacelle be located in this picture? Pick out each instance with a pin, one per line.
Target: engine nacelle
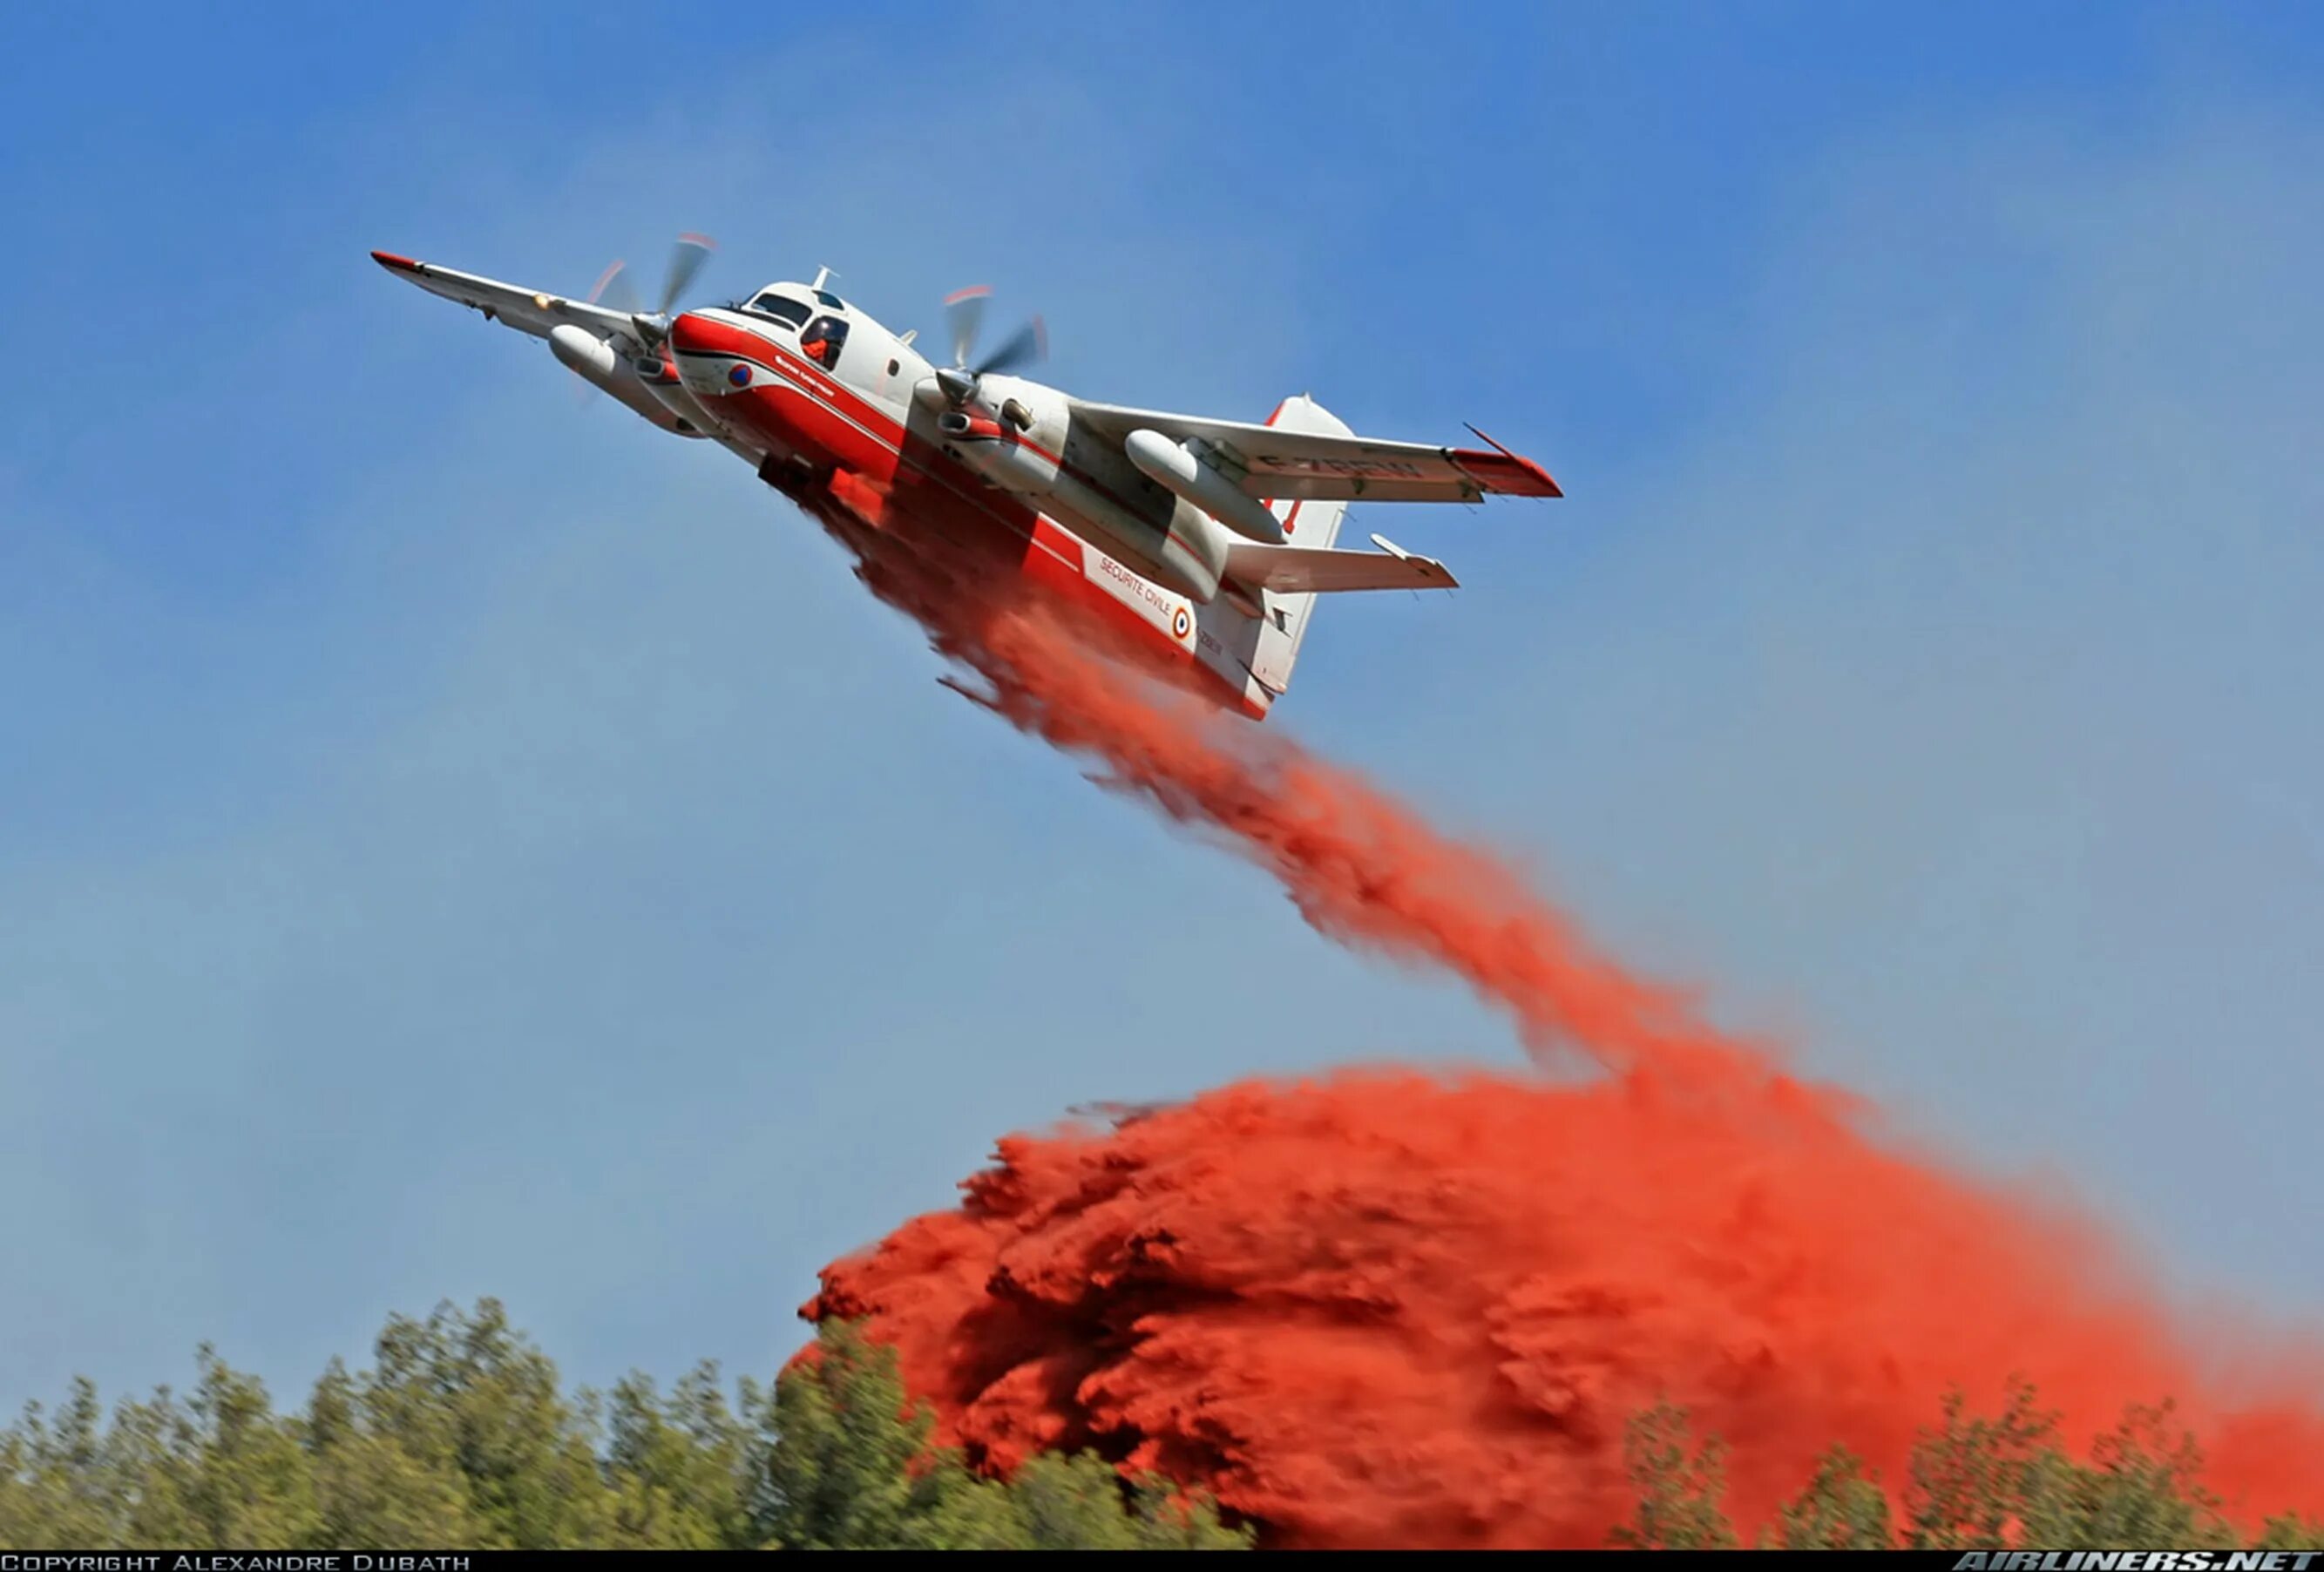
(594, 362)
(1187, 552)
(1171, 466)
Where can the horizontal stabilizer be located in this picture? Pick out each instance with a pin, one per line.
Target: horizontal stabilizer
(1294, 569)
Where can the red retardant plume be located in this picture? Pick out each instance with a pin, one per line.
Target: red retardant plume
(1390, 1308)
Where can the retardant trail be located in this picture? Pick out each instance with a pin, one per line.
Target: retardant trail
(1393, 1309)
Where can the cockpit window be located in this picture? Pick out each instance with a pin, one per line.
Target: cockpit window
(828, 299)
(822, 340)
(781, 307)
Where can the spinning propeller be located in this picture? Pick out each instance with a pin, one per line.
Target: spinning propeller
(649, 329)
(964, 314)
(685, 260)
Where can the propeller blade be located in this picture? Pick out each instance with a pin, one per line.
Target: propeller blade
(1028, 345)
(685, 260)
(614, 291)
(964, 314)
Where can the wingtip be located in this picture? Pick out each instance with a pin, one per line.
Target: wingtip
(1544, 484)
(395, 264)
(1541, 483)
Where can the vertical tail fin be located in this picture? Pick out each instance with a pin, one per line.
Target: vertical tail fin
(1304, 523)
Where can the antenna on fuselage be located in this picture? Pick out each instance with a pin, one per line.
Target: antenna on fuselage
(823, 275)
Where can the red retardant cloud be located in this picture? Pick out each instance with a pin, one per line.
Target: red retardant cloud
(1393, 1309)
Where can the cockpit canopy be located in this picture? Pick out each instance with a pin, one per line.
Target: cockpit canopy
(793, 306)
(783, 307)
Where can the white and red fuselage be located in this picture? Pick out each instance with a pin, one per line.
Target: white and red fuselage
(1197, 546)
(866, 434)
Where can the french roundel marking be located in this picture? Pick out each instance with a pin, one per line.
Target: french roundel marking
(739, 374)
(1181, 622)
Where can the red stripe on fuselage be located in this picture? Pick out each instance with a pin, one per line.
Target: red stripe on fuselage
(805, 409)
(1291, 519)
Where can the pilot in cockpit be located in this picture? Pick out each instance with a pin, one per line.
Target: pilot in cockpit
(821, 341)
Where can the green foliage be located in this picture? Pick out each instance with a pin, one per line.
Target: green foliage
(1679, 1488)
(2290, 1532)
(1990, 1482)
(1075, 1502)
(2008, 1481)
(854, 1468)
(465, 1395)
(1840, 1510)
(250, 1483)
(684, 1473)
(458, 1435)
(1973, 1478)
(2141, 1486)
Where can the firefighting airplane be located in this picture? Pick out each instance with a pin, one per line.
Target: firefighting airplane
(1204, 541)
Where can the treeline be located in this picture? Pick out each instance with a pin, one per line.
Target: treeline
(1984, 1481)
(460, 1436)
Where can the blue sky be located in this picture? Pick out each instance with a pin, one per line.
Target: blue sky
(455, 841)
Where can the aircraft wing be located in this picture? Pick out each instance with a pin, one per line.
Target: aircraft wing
(1291, 570)
(1271, 462)
(526, 310)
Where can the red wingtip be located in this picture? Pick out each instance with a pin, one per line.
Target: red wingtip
(1535, 481)
(388, 259)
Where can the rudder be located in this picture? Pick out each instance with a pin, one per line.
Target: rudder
(1305, 523)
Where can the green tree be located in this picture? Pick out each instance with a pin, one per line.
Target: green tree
(2290, 1532)
(2008, 1481)
(462, 1393)
(681, 1472)
(372, 1494)
(149, 1477)
(460, 1436)
(1679, 1486)
(1075, 1502)
(223, 1469)
(1973, 1477)
(1840, 1510)
(53, 1489)
(2141, 1486)
(251, 1482)
(852, 1467)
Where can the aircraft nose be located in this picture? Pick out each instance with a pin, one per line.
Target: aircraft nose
(699, 348)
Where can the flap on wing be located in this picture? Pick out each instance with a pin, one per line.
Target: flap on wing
(527, 310)
(1292, 570)
(1276, 462)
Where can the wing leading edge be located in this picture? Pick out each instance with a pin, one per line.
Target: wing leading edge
(1274, 463)
(1297, 570)
(527, 310)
